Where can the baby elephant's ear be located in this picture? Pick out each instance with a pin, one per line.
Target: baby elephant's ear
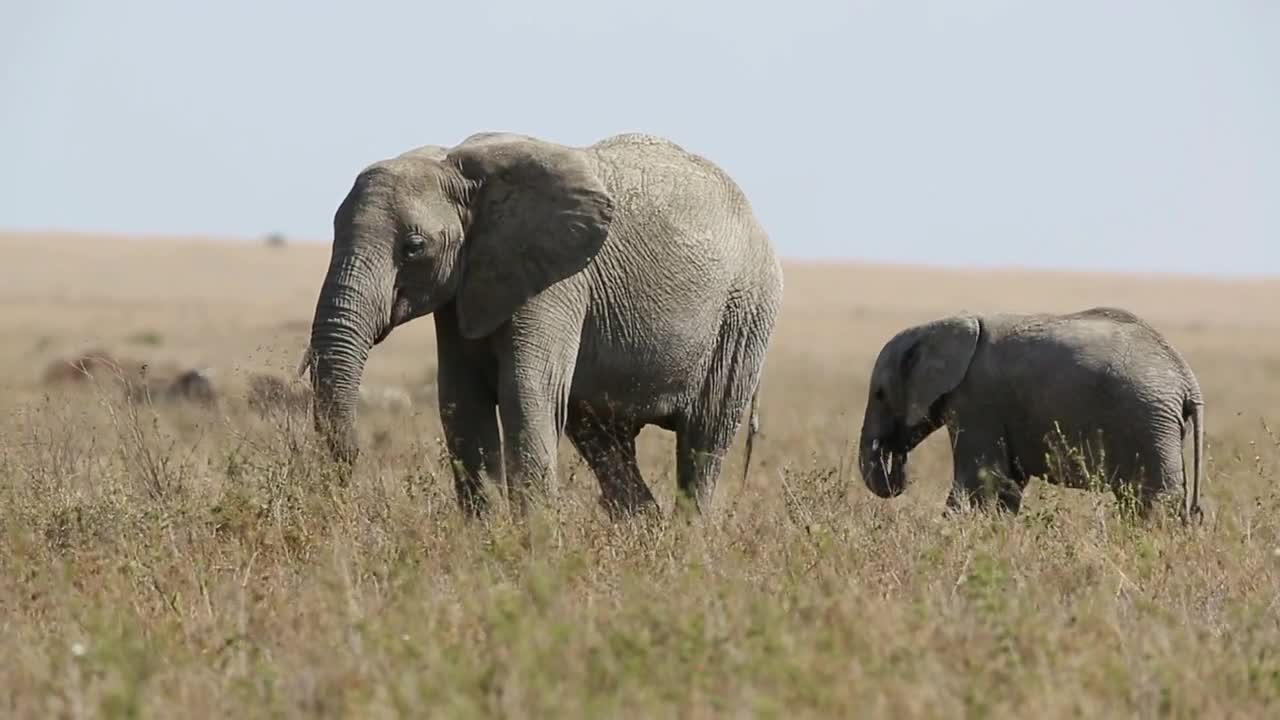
(935, 363)
(538, 215)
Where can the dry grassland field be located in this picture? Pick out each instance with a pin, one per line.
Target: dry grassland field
(174, 558)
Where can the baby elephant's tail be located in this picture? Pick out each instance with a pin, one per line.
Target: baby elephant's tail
(1193, 409)
(753, 427)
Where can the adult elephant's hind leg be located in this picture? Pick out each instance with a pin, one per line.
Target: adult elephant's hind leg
(698, 461)
(706, 433)
(610, 452)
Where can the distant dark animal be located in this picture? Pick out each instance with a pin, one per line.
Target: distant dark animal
(192, 385)
(137, 380)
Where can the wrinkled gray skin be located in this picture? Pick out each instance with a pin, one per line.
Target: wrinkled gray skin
(1015, 391)
(587, 291)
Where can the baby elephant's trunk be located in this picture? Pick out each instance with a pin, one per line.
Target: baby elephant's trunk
(883, 465)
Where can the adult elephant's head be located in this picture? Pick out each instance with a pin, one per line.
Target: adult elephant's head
(484, 226)
(912, 376)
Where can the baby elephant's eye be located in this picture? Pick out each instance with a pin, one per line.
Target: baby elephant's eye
(879, 393)
(413, 247)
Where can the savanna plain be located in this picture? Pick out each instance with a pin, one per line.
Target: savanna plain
(169, 556)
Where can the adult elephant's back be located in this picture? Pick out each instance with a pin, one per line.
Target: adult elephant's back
(679, 212)
(686, 268)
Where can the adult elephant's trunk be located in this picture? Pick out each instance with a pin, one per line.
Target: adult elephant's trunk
(351, 314)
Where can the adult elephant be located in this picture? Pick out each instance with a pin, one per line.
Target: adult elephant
(588, 291)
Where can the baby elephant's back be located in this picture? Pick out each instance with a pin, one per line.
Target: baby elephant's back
(1101, 350)
(1102, 377)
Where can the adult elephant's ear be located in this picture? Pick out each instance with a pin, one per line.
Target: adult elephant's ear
(936, 361)
(538, 214)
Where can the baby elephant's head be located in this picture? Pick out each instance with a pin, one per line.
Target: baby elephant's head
(912, 376)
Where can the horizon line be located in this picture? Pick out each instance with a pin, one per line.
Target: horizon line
(7, 233)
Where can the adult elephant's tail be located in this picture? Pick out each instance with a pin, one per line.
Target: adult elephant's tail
(1194, 409)
(753, 427)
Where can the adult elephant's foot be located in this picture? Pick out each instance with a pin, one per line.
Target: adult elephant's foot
(630, 507)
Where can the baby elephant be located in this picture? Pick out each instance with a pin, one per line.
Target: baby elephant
(1094, 398)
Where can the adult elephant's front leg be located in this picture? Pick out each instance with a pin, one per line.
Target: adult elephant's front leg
(468, 416)
(537, 354)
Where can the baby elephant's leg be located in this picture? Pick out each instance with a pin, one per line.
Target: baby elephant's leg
(1155, 478)
(983, 472)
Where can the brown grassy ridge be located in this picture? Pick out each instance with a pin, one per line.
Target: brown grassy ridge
(180, 558)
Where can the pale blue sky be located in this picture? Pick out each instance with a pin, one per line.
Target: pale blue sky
(1109, 134)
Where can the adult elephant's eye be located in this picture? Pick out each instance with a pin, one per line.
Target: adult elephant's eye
(413, 247)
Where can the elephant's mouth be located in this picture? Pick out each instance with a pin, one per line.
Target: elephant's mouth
(916, 435)
(884, 465)
(886, 474)
(401, 312)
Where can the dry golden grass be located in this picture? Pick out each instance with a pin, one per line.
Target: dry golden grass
(180, 561)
